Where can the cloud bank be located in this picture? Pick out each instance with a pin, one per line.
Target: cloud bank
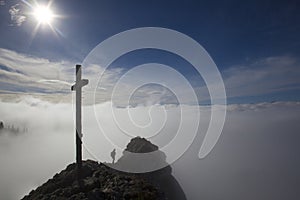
(265, 76)
(257, 151)
(23, 74)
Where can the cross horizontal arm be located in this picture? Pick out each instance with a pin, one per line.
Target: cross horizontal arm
(80, 84)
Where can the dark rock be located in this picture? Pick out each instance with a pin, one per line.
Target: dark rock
(162, 178)
(140, 145)
(133, 159)
(1, 125)
(101, 182)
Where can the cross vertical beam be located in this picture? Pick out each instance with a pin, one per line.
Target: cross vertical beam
(78, 133)
(78, 119)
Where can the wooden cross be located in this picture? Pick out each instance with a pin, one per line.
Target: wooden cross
(77, 87)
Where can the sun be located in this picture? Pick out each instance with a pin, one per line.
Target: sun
(45, 18)
(43, 14)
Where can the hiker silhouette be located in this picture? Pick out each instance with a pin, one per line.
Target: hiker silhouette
(113, 155)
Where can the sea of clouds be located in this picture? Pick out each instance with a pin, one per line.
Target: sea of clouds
(256, 156)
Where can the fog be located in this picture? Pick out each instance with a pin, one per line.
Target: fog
(256, 156)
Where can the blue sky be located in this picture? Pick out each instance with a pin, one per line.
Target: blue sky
(244, 38)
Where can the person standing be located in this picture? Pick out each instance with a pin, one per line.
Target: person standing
(113, 155)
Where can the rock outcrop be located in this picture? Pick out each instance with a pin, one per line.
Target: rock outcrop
(99, 181)
(1, 125)
(161, 178)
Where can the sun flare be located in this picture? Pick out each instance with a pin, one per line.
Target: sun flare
(43, 14)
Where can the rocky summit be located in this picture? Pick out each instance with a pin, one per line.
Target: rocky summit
(99, 181)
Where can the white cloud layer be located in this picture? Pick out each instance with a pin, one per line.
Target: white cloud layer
(269, 75)
(23, 74)
(258, 141)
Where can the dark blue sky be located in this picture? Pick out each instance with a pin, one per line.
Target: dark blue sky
(233, 32)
